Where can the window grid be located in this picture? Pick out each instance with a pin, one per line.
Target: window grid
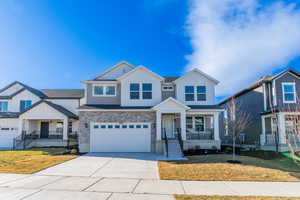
(104, 90)
(3, 106)
(288, 90)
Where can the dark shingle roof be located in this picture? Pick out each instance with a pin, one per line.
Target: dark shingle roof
(63, 93)
(9, 115)
(112, 107)
(55, 106)
(169, 79)
(212, 107)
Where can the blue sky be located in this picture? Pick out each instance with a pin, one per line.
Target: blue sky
(58, 43)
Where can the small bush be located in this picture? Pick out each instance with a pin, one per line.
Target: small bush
(73, 151)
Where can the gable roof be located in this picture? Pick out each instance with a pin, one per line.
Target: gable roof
(258, 83)
(170, 79)
(53, 105)
(46, 93)
(172, 100)
(113, 68)
(140, 68)
(200, 72)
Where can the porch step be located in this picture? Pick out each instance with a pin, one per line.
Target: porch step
(174, 149)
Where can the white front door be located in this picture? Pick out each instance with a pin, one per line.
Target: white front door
(168, 123)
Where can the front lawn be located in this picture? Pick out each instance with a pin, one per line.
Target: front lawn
(215, 168)
(30, 161)
(194, 197)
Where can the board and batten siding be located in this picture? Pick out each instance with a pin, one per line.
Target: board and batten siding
(140, 76)
(14, 103)
(194, 79)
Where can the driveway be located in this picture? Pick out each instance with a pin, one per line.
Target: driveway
(109, 165)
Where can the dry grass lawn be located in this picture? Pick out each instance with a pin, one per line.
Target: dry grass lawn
(215, 168)
(193, 197)
(30, 161)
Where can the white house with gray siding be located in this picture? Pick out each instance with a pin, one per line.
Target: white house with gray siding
(133, 109)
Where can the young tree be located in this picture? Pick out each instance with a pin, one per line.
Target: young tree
(237, 121)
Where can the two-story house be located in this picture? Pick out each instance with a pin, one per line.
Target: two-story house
(272, 104)
(39, 117)
(133, 109)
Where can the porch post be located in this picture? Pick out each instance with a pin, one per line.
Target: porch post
(183, 124)
(20, 126)
(281, 127)
(263, 126)
(158, 125)
(216, 126)
(65, 129)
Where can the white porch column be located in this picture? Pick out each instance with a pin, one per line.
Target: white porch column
(20, 126)
(263, 135)
(216, 126)
(65, 129)
(281, 127)
(183, 124)
(158, 125)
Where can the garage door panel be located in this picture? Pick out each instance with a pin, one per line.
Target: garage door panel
(119, 138)
(7, 139)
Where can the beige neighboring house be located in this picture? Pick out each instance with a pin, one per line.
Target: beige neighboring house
(133, 109)
(32, 117)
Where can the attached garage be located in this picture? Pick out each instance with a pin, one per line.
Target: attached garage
(8, 131)
(116, 137)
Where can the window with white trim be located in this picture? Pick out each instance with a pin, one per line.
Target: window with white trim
(201, 93)
(189, 93)
(168, 88)
(147, 90)
(104, 90)
(140, 91)
(3, 106)
(288, 90)
(134, 91)
(24, 104)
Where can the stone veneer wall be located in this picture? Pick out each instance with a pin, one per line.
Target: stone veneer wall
(86, 117)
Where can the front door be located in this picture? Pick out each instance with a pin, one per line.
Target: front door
(44, 129)
(168, 123)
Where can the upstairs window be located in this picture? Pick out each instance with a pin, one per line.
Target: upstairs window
(201, 93)
(189, 93)
(3, 106)
(147, 91)
(24, 104)
(104, 90)
(134, 91)
(288, 90)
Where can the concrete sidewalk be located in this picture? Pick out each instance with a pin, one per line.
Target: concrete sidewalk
(36, 187)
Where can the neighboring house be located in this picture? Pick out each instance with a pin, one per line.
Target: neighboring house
(132, 109)
(41, 117)
(270, 102)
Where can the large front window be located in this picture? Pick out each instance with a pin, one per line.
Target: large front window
(104, 90)
(3, 106)
(24, 104)
(288, 92)
(141, 91)
(195, 123)
(199, 123)
(189, 93)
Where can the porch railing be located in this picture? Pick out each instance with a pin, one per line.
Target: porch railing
(165, 138)
(208, 134)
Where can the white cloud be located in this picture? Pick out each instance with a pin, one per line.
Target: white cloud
(237, 41)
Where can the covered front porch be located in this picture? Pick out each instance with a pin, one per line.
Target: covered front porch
(193, 128)
(280, 131)
(45, 125)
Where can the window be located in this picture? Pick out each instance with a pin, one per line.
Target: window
(201, 93)
(189, 93)
(288, 92)
(189, 122)
(117, 126)
(168, 88)
(24, 104)
(131, 126)
(138, 126)
(134, 91)
(145, 126)
(147, 90)
(3, 106)
(104, 90)
(109, 126)
(59, 127)
(199, 123)
(96, 126)
(124, 126)
(103, 126)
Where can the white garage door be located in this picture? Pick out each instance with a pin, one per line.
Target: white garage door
(7, 138)
(114, 137)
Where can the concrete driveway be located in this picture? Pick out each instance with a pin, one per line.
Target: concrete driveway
(110, 165)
